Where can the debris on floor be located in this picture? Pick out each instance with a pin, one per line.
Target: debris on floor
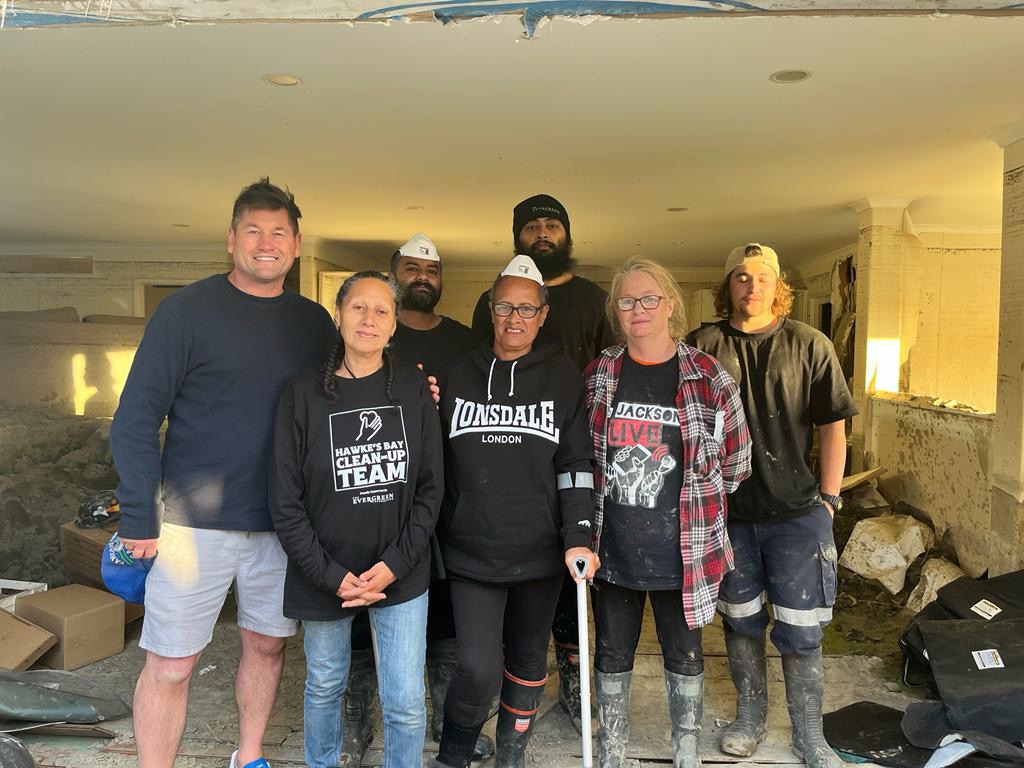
(882, 548)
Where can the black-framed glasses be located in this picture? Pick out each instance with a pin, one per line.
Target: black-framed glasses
(526, 311)
(626, 303)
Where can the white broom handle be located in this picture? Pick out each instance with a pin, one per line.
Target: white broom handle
(580, 567)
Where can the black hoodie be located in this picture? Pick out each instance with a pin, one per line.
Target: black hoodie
(518, 465)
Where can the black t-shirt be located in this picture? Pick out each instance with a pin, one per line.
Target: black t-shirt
(640, 532)
(576, 321)
(434, 348)
(790, 382)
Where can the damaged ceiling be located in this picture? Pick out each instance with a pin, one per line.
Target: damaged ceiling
(662, 136)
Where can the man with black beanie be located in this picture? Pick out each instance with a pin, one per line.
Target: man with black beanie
(577, 325)
(576, 322)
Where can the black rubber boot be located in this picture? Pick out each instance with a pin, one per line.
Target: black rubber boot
(516, 713)
(567, 657)
(749, 669)
(804, 687)
(442, 661)
(456, 745)
(360, 708)
(612, 693)
(685, 708)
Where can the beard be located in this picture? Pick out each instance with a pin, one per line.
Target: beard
(420, 300)
(553, 262)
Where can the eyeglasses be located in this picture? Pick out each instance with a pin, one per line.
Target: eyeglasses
(626, 303)
(526, 311)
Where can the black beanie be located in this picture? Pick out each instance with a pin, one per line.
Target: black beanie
(538, 206)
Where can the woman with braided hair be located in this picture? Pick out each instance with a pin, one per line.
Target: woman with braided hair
(354, 492)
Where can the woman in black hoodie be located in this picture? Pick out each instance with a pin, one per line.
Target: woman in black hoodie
(517, 510)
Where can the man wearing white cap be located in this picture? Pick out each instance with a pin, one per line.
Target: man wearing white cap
(432, 341)
(780, 518)
(423, 336)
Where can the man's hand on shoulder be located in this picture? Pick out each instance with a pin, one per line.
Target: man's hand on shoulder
(435, 391)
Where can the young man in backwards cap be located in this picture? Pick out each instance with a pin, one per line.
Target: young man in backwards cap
(780, 518)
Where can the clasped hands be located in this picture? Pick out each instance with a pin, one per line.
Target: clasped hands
(366, 588)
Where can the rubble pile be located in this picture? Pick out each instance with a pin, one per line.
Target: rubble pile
(48, 465)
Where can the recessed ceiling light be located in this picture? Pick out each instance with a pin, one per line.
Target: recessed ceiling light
(279, 78)
(788, 76)
(677, 209)
(181, 226)
(414, 207)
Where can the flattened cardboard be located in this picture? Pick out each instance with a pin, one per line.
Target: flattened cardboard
(82, 549)
(10, 590)
(21, 642)
(88, 623)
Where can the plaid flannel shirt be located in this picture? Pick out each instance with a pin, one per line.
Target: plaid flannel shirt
(716, 458)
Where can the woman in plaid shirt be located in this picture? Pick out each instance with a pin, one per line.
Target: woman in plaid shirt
(670, 442)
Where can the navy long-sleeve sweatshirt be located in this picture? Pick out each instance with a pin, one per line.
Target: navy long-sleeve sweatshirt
(213, 361)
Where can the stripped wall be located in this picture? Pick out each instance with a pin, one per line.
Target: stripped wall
(938, 461)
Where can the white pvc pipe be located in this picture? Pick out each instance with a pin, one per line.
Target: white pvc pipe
(580, 567)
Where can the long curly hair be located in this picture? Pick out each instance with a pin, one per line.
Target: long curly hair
(337, 354)
(782, 305)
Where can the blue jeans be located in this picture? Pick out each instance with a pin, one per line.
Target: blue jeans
(400, 632)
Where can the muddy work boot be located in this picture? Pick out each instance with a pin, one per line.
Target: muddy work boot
(804, 687)
(520, 700)
(455, 747)
(749, 669)
(686, 709)
(442, 661)
(612, 693)
(567, 657)
(360, 708)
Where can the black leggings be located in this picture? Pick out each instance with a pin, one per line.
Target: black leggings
(618, 617)
(565, 628)
(485, 615)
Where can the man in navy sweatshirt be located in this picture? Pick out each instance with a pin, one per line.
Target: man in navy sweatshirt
(213, 361)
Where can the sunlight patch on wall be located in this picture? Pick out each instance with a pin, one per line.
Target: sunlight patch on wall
(103, 376)
(882, 373)
(82, 390)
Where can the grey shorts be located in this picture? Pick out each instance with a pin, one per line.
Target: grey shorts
(190, 579)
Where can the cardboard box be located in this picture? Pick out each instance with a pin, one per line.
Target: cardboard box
(10, 590)
(88, 623)
(82, 549)
(21, 642)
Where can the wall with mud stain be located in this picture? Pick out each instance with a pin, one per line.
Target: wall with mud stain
(938, 461)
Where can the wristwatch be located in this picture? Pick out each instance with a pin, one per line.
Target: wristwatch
(836, 502)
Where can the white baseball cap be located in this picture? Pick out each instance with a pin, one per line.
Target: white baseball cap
(738, 255)
(523, 266)
(419, 246)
